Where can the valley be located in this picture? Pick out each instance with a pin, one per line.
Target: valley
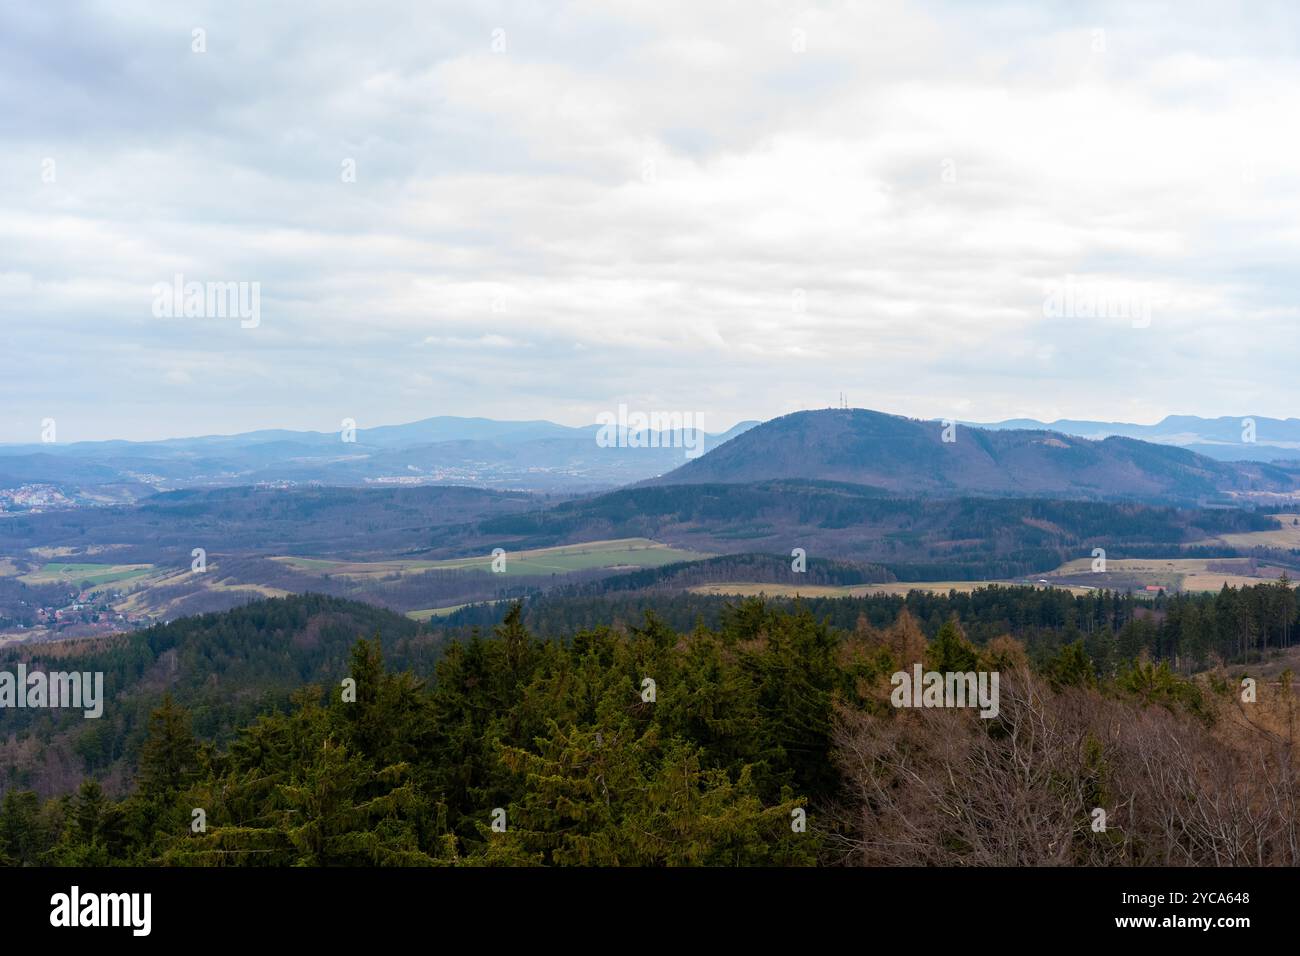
(995, 507)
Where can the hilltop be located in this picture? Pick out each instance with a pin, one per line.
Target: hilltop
(908, 456)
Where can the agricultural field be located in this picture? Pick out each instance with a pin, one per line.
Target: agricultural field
(152, 592)
(49, 554)
(1285, 538)
(621, 553)
(432, 613)
(58, 572)
(901, 588)
(1172, 574)
(160, 595)
(1124, 574)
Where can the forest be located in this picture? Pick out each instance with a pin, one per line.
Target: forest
(765, 738)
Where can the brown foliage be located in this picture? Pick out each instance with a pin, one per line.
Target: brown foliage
(905, 640)
(945, 787)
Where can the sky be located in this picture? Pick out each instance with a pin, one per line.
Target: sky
(733, 210)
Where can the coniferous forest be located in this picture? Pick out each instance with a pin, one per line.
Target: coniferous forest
(314, 731)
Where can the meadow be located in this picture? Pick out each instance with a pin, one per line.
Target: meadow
(612, 554)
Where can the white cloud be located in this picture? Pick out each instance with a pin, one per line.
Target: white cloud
(624, 202)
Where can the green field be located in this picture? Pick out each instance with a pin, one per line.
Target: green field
(431, 612)
(310, 564)
(60, 571)
(628, 553)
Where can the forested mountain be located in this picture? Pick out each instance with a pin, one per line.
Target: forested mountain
(913, 538)
(773, 568)
(531, 455)
(246, 520)
(225, 667)
(978, 536)
(908, 456)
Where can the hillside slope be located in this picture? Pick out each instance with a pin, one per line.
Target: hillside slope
(226, 668)
(908, 456)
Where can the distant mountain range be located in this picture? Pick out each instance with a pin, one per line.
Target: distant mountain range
(514, 455)
(1230, 438)
(1181, 459)
(911, 457)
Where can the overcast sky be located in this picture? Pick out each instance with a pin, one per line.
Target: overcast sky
(730, 209)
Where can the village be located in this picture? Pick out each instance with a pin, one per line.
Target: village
(34, 499)
(85, 614)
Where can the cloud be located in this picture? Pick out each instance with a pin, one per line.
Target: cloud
(737, 213)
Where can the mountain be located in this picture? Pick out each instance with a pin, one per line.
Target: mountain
(908, 456)
(515, 455)
(1181, 458)
(1228, 438)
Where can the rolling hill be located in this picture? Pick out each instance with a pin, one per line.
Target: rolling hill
(908, 456)
(446, 450)
(1226, 438)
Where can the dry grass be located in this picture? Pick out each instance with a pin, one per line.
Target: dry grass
(901, 588)
(1285, 537)
(1173, 574)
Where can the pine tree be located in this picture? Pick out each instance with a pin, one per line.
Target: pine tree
(1071, 667)
(616, 798)
(170, 755)
(20, 830)
(950, 652)
(89, 810)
